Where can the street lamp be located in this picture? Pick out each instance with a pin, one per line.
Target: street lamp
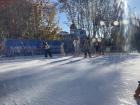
(102, 23)
(116, 23)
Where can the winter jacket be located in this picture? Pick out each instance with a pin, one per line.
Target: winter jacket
(47, 46)
(87, 44)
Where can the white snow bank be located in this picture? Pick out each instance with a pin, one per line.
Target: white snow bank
(104, 80)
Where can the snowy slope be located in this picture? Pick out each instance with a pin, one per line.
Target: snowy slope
(104, 80)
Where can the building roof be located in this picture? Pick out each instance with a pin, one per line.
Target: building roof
(63, 33)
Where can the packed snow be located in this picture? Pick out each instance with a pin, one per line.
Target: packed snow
(102, 80)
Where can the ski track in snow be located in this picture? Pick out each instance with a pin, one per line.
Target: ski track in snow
(104, 80)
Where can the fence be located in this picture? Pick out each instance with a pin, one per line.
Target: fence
(28, 47)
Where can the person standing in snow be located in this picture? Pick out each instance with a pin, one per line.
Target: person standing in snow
(47, 50)
(62, 49)
(76, 44)
(97, 47)
(87, 47)
(102, 46)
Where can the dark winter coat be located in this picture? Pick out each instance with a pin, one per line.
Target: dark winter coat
(46, 46)
(87, 44)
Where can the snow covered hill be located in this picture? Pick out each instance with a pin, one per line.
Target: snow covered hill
(103, 80)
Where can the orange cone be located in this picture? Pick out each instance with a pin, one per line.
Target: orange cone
(137, 91)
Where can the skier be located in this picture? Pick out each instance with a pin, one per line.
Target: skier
(47, 50)
(87, 47)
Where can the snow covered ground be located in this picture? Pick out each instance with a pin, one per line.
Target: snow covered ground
(103, 80)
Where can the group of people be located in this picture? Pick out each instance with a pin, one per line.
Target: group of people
(88, 46)
(76, 46)
(85, 45)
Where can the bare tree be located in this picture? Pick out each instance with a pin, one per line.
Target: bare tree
(87, 15)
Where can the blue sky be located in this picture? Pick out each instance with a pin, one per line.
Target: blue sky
(62, 18)
(62, 21)
(133, 4)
